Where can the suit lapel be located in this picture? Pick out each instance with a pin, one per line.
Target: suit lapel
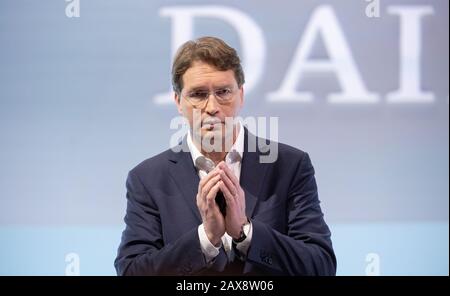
(185, 175)
(252, 172)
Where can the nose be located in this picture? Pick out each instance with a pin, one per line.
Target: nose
(212, 107)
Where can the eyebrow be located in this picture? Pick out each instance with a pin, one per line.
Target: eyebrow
(198, 88)
(203, 88)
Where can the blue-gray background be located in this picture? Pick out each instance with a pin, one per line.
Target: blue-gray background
(78, 111)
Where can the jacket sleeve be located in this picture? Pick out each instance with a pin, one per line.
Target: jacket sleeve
(142, 250)
(306, 248)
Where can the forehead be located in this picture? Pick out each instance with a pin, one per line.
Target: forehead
(201, 74)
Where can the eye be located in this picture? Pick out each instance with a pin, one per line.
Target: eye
(198, 95)
(223, 92)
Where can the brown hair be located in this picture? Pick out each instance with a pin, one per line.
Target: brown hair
(210, 50)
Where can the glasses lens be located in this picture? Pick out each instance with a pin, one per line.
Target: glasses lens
(223, 94)
(199, 98)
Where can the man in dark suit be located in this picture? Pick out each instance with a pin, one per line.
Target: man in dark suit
(205, 207)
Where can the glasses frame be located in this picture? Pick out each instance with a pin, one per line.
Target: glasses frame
(202, 104)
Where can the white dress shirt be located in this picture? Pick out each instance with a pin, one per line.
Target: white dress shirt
(234, 163)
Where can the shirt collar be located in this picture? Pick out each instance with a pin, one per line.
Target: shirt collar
(238, 145)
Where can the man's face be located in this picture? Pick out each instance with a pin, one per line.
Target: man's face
(204, 77)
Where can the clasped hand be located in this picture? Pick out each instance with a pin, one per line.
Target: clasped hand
(215, 224)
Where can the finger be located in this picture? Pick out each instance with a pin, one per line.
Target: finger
(220, 163)
(210, 198)
(208, 177)
(228, 183)
(229, 198)
(205, 189)
(205, 179)
(230, 174)
(199, 200)
(209, 185)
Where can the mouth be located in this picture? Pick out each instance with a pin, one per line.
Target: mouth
(211, 124)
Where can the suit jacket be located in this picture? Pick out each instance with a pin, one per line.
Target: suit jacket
(290, 236)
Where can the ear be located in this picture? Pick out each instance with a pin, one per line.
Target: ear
(177, 99)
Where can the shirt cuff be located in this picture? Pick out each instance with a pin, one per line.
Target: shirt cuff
(243, 246)
(208, 249)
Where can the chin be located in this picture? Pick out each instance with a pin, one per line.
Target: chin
(212, 134)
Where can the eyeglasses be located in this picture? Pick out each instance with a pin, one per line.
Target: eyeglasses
(199, 98)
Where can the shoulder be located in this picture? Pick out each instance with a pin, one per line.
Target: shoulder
(280, 153)
(155, 165)
(291, 156)
(291, 152)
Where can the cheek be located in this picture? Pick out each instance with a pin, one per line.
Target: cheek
(189, 115)
(184, 109)
(233, 109)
